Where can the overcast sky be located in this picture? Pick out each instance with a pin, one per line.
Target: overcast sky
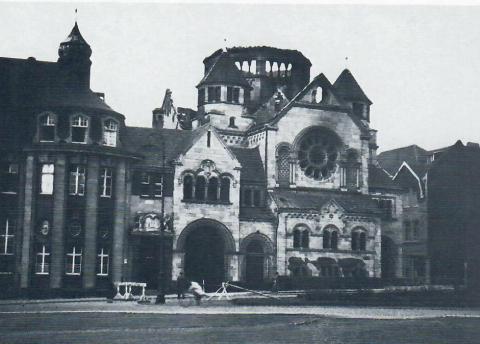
(419, 65)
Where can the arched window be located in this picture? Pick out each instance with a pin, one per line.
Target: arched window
(200, 185)
(47, 128)
(232, 122)
(79, 129)
(188, 187)
(359, 240)
(355, 240)
(363, 241)
(330, 237)
(212, 189)
(225, 189)
(305, 243)
(334, 240)
(283, 166)
(110, 129)
(297, 238)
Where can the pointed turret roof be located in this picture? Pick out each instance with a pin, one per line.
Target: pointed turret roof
(223, 71)
(74, 44)
(349, 89)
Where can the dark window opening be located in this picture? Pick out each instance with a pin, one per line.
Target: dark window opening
(214, 94)
(151, 185)
(201, 96)
(232, 122)
(301, 238)
(225, 190)
(47, 128)
(9, 178)
(330, 239)
(188, 187)
(200, 185)
(358, 110)
(209, 138)
(212, 189)
(256, 198)
(79, 129)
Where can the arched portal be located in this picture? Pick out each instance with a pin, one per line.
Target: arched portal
(206, 244)
(389, 253)
(255, 258)
(258, 251)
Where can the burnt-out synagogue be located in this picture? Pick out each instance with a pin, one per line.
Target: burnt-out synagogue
(274, 171)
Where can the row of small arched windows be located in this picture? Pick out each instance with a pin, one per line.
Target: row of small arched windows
(301, 239)
(213, 189)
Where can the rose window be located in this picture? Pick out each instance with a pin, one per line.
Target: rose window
(318, 154)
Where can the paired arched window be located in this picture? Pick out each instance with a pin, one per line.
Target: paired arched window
(200, 189)
(110, 130)
(359, 240)
(79, 125)
(47, 128)
(301, 237)
(330, 238)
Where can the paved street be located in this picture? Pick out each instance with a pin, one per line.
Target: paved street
(214, 322)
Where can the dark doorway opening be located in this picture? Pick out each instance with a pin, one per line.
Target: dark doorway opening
(388, 258)
(205, 257)
(254, 264)
(148, 263)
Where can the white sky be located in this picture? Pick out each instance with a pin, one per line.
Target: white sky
(419, 65)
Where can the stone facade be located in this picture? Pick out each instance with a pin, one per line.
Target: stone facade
(276, 174)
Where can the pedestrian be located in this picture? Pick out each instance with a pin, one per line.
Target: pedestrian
(275, 283)
(197, 292)
(182, 285)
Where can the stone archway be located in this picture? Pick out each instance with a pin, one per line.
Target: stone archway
(207, 246)
(258, 251)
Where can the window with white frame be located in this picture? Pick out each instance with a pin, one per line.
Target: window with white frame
(47, 128)
(106, 182)
(102, 262)
(7, 236)
(46, 179)
(77, 180)
(42, 263)
(110, 129)
(73, 265)
(79, 129)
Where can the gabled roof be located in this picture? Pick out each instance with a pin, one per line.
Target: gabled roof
(153, 143)
(266, 111)
(223, 71)
(349, 89)
(353, 203)
(252, 165)
(415, 156)
(379, 179)
(322, 80)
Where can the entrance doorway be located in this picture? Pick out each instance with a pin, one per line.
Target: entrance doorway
(148, 262)
(388, 258)
(255, 259)
(205, 256)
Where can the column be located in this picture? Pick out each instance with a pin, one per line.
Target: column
(119, 222)
(58, 228)
(27, 222)
(90, 247)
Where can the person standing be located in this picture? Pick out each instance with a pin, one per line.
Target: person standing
(181, 286)
(275, 283)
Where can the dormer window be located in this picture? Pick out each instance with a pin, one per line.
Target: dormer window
(79, 129)
(47, 128)
(110, 129)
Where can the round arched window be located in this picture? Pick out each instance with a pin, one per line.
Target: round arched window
(318, 153)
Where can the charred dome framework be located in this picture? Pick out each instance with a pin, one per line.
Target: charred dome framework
(267, 69)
